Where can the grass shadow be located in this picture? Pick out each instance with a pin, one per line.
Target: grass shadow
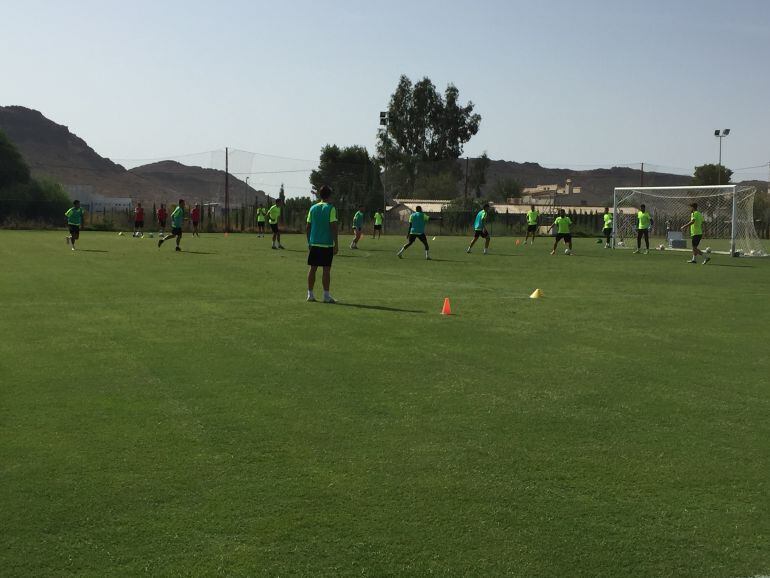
(378, 308)
(728, 265)
(198, 252)
(91, 251)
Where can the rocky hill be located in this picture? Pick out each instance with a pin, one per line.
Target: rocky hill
(52, 151)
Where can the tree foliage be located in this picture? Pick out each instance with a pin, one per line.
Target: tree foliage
(424, 126)
(353, 175)
(477, 174)
(504, 189)
(25, 198)
(711, 174)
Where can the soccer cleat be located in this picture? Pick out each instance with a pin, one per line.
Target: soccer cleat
(160, 242)
(329, 299)
(637, 251)
(281, 246)
(706, 260)
(310, 299)
(468, 250)
(178, 249)
(692, 260)
(485, 252)
(427, 258)
(274, 247)
(646, 251)
(73, 247)
(553, 252)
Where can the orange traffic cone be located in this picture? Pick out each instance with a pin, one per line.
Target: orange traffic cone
(518, 242)
(446, 309)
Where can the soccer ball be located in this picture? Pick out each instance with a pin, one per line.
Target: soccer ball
(661, 248)
(567, 251)
(708, 250)
(621, 244)
(120, 234)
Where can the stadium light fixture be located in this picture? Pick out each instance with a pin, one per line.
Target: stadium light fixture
(724, 133)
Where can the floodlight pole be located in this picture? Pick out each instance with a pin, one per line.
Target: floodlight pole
(720, 136)
(734, 229)
(227, 190)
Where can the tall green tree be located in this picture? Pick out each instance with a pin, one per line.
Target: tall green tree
(477, 174)
(24, 198)
(711, 174)
(353, 175)
(13, 169)
(504, 189)
(424, 128)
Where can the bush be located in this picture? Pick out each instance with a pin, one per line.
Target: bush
(34, 200)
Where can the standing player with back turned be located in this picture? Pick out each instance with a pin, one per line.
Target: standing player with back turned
(323, 243)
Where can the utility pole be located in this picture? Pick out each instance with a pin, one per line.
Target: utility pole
(227, 190)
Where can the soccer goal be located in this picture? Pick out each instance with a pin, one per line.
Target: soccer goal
(728, 217)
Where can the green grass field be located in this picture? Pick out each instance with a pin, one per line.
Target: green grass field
(191, 414)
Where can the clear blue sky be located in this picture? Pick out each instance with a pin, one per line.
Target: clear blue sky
(558, 82)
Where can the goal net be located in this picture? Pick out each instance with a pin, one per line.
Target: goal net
(728, 217)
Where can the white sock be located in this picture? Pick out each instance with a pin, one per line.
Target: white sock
(485, 251)
(310, 294)
(427, 254)
(327, 295)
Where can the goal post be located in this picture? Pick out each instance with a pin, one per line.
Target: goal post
(728, 217)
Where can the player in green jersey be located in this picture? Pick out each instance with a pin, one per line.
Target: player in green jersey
(696, 233)
(74, 221)
(480, 229)
(417, 221)
(377, 225)
(607, 229)
(273, 216)
(261, 216)
(177, 221)
(358, 226)
(562, 225)
(533, 220)
(322, 242)
(643, 223)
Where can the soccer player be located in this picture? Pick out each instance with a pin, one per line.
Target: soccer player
(533, 220)
(322, 243)
(643, 221)
(377, 224)
(607, 230)
(358, 226)
(138, 221)
(195, 219)
(162, 216)
(177, 221)
(273, 216)
(562, 224)
(696, 233)
(74, 221)
(480, 229)
(261, 214)
(417, 221)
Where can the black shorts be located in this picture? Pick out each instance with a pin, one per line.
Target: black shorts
(138, 224)
(195, 223)
(566, 236)
(607, 232)
(320, 256)
(483, 234)
(531, 228)
(421, 237)
(176, 231)
(696, 240)
(378, 227)
(261, 224)
(274, 227)
(74, 231)
(162, 223)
